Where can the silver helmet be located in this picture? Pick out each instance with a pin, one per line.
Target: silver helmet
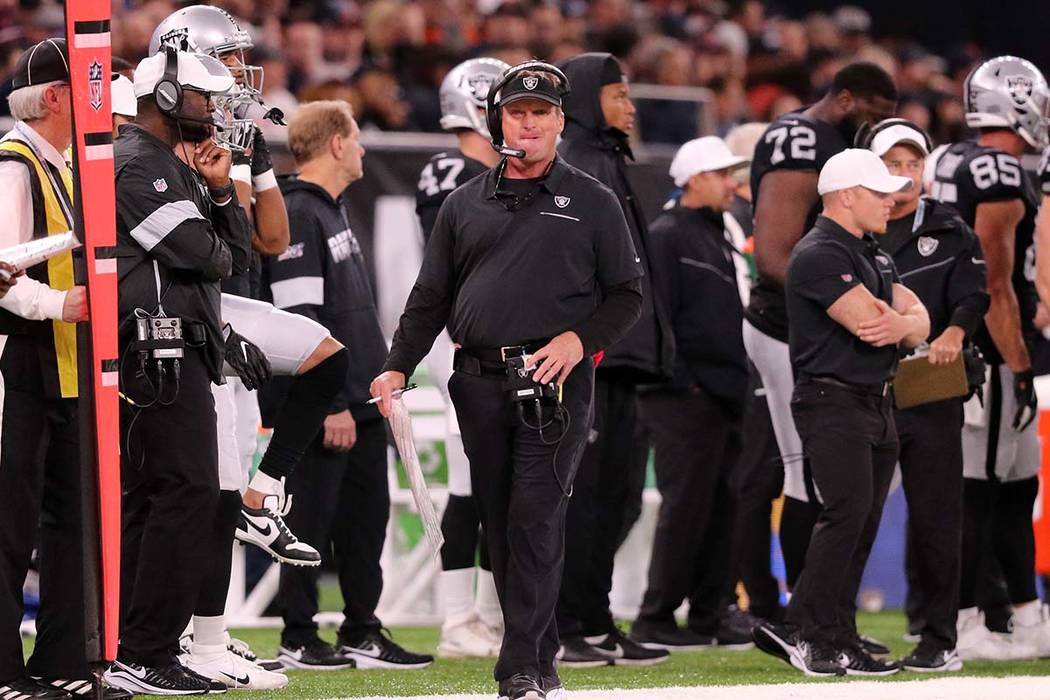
(463, 93)
(1009, 92)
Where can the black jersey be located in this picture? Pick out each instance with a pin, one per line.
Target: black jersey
(792, 142)
(968, 174)
(1044, 172)
(443, 173)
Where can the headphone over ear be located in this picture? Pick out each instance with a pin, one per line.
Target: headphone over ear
(867, 133)
(493, 112)
(167, 93)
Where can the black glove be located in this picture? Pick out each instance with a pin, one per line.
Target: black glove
(241, 158)
(261, 161)
(247, 360)
(1027, 401)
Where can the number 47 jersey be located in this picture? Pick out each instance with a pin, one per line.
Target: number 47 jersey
(968, 174)
(443, 173)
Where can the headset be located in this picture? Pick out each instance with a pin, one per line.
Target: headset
(493, 112)
(167, 93)
(867, 133)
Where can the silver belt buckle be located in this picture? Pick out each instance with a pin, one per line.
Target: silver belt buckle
(503, 351)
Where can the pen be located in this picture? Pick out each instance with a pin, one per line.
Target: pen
(394, 394)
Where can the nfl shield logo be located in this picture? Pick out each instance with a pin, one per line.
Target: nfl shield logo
(530, 82)
(846, 277)
(160, 184)
(95, 85)
(561, 202)
(927, 245)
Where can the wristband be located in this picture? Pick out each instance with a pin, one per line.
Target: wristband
(226, 190)
(264, 181)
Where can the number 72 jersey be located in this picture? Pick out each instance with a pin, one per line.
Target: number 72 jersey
(443, 173)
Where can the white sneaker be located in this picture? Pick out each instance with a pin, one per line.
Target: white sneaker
(493, 634)
(1035, 635)
(467, 639)
(975, 641)
(265, 528)
(236, 672)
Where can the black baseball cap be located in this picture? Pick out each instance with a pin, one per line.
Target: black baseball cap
(537, 86)
(42, 63)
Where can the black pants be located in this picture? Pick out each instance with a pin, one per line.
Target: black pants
(460, 526)
(697, 443)
(601, 500)
(521, 479)
(341, 507)
(40, 485)
(931, 468)
(169, 473)
(758, 479)
(997, 522)
(851, 443)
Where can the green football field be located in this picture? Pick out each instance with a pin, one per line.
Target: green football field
(683, 669)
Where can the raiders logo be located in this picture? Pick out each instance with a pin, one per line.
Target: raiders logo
(179, 39)
(530, 82)
(95, 85)
(883, 259)
(561, 202)
(479, 86)
(927, 245)
(1020, 87)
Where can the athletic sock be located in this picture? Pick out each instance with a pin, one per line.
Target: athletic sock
(456, 592)
(209, 631)
(300, 418)
(488, 606)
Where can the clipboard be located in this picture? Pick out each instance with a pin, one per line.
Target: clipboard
(919, 382)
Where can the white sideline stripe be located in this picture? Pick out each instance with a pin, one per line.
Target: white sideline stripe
(965, 688)
(100, 152)
(91, 41)
(163, 221)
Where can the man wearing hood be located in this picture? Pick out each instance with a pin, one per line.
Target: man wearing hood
(599, 116)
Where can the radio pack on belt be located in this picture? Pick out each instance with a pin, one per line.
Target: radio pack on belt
(521, 386)
(159, 337)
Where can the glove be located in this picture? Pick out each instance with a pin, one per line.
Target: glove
(247, 360)
(1027, 401)
(261, 160)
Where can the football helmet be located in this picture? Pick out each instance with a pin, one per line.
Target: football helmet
(463, 93)
(1010, 92)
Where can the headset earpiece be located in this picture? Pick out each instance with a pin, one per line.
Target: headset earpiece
(867, 133)
(493, 113)
(168, 92)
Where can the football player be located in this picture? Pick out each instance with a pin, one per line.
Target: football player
(1007, 101)
(471, 627)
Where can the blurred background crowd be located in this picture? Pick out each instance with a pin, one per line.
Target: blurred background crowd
(757, 59)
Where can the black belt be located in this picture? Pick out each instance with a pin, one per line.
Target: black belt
(881, 389)
(481, 362)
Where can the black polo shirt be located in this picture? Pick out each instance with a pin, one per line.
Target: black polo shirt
(519, 263)
(828, 262)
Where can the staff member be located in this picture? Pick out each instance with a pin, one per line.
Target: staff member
(695, 419)
(179, 232)
(940, 259)
(847, 312)
(39, 455)
(530, 265)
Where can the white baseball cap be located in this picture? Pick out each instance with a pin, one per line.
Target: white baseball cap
(859, 166)
(195, 72)
(898, 133)
(703, 155)
(123, 96)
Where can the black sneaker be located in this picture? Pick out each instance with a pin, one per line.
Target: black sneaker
(78, 688)
(734, 636)
(576, 652)
(670, 637)
(873, 646)
(214, 687)
(856, 660)
(241, 649)
(315, 655)
(265, 528)
(928, 659)
(521, 686)
(778, 639)
(818, 659)
(170, 679)
(552, 686)
(624, 651)
(28, 689)
(377, 650)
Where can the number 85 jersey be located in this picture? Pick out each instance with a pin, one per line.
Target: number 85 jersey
(968, 174)
(443, 173)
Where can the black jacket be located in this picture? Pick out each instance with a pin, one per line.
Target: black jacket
(696, 279)
(938, 256)
(173, 244)
(646, 354)
(323, 275)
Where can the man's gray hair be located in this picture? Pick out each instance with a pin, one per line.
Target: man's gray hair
(27, 103)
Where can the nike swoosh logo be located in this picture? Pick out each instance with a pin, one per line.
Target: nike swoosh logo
(976, 261)
(264, 532)
(241, 681)
(244, 350)
(372, 650)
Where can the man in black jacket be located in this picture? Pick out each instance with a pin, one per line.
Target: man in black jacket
(179, 233)
(599, 115)
(939, 258)
(340, 487)
(695, 418)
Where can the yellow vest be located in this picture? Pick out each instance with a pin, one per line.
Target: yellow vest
(59, 268)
